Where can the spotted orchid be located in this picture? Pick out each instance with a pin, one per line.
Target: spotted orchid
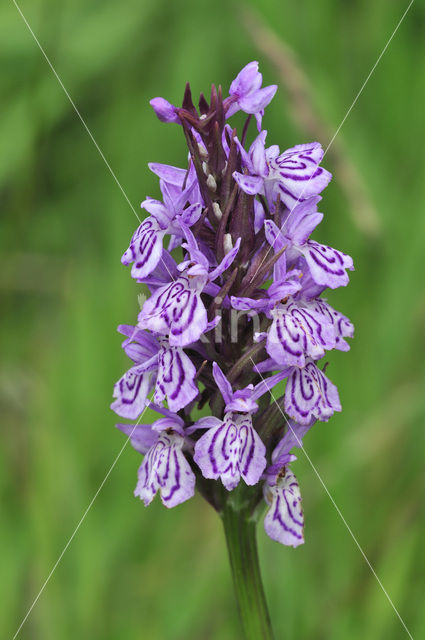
(228, 346)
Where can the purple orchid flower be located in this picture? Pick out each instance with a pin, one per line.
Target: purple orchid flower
(284, 521)
(231, 448)
(164, 467)
(293, 175)
(145, 250)
(299, 329)
(327, 265)
(157, 364)
(309, 394)
(176, 310)
(247, 95)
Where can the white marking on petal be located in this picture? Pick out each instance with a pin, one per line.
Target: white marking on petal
(165, 469)
(230, 450)
(284, 521)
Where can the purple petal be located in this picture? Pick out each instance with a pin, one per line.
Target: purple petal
(172, 421)
(302, 220)
(293, 438)
(298, 174)
(257, 100)
(131, 392)
(165, 469)
(343, 327)
(142, 436)
(258, 155)
(248, 79)
(176, 377)
(191, 215)
(222, 383)
(145, 249)
(175, 310)
(168, 173)
(204, 423)
(310, 394)
(274, 235)
(284, 521)
(296, 333)
(249, 184)
(231, 450)
(164, 110)
(226, 262)
(157, 209)
(258, 216)
(327, 265)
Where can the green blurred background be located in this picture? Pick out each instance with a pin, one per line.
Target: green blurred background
(132, 572)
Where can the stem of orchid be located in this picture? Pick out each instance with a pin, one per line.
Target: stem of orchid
(240, 532)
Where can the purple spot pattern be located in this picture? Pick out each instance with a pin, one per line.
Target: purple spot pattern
(297, 173)
(343, 326)
(327, 265)
(176, 377)
(231, 450)
(177, 311)
(130, 393)
(284, 521)
(165, 469)
(309, 393)
(297, 332)
(145, 248)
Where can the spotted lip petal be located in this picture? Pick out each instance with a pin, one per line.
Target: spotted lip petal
(175, 310)
(327, 265)
(297, 332)
(145, 248)
(343, 326)
(131, 392)
(176, 377)
(297, 173)
(231, 450)
(310, 394)
(284, 521)
(165, 469)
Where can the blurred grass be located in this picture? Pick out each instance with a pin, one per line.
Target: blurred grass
(157, 574)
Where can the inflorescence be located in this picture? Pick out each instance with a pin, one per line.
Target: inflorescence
(236, 308)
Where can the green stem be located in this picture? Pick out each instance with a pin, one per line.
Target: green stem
(241, 541)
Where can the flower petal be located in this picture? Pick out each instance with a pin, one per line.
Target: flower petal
(327, 265)
(131, 392)
(164, 110)
(297, 332)
(142, 436)
(176, 310)
(230, 450)
(298, 173)
(145, 248)
(257, 100)
(310, 394)
(284, 521)
(343, 326)
(249, 184)
(165, 469)
(176, 377)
